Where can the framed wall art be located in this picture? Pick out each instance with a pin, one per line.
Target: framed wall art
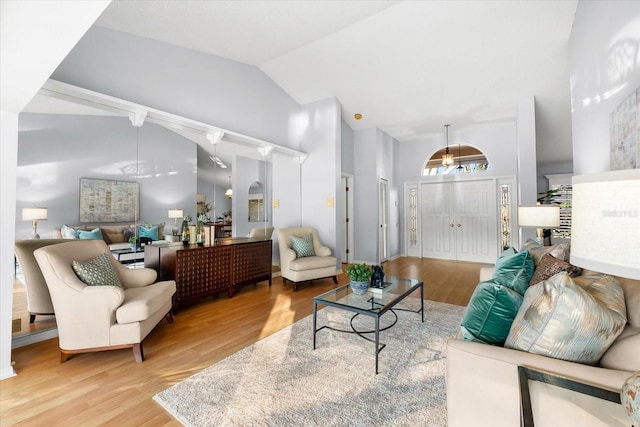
(104, 200)
(625, 133)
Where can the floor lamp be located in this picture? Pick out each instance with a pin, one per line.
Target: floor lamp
(542, 217)
(33, 215)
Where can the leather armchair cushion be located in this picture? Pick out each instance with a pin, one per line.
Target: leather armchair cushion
(141, 303)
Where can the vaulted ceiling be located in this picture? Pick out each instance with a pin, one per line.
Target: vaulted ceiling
(408, 67)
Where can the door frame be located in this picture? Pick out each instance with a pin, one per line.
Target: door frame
(383, 219)
(347, 218)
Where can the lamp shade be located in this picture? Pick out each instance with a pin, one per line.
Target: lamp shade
(605, 222)
(539, 216)
(30, 214)
(176, 213)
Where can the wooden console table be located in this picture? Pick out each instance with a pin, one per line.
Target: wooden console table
(225, 265)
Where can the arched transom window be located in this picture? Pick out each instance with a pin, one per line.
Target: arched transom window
(466, 159)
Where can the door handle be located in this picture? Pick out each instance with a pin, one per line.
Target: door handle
(459, 225)
(451, 224)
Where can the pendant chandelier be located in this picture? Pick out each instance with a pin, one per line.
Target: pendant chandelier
(447, 157)
(229, 192)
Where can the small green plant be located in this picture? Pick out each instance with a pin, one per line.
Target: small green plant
(359, 272)
(134, 240)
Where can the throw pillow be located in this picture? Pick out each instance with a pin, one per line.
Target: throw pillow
(151, 233)
(559, 251)
(490, 313)
(514, 270)
(69, 232)
(97, 271)
(550, 266)
(94, 234)
(303, 246)
(569, 319)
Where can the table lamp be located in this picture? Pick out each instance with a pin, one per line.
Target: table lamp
(175, 214)
(33, 215)
(542, 217)
(605, 222)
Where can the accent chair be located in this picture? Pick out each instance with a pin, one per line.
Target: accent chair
(311, 261)
(261, 233)
(101, 317)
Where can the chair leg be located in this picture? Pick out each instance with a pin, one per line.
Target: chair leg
(169, 317)
(64, 356)
(335, 280)
(138, 354)
(32, 318)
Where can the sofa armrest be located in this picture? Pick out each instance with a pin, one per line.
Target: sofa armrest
(137, 277)
(323, 251)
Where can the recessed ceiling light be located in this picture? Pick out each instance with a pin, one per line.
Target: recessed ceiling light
(357, 116)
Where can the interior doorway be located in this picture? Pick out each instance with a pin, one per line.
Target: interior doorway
(346, 219)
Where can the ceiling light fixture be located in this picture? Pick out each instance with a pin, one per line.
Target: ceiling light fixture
(357, 116)
(218, 162)
(215, 136)
(447, 157)
(229, 192)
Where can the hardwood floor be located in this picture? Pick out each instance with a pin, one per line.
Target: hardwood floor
(109, 388)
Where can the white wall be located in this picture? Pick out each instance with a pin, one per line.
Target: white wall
(213, 181)
(605, 68)
(346, 147)
(55, 151)
(34, 37)
(321, 170)
(286, 193)
(249, 171)
(365, 196)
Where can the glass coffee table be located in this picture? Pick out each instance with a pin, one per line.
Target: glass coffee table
(373, 303)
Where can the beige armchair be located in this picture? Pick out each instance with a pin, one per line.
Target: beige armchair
(38, 297)
(297, 270)
(261, 233)
(96, 318)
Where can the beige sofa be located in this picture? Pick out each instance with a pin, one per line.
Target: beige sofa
(483, 388)
(96, 318)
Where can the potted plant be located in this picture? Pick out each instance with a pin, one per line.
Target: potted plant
(360, 276)
(134, 242)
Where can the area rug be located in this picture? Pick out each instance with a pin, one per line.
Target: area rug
(282, 381)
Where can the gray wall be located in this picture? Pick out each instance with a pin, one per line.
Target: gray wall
(213, 181)
(214, 90)
(55, 151)
(346, 147)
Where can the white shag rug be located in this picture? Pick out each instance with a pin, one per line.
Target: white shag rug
(282, 381)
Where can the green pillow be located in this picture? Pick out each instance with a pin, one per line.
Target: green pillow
(150, 232)
(514, 270)
(303, 246)
(97, 271)
(95, 234)
(490, 313)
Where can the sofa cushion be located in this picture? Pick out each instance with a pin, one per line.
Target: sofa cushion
(95, 234)
(303, 246)
(111, 237)
(490, 313)
(98, 271)
(311, 262)
(570, 319)
(624, 353)
(141, 303)
(561, 251)
(550, 266)
(514, 270)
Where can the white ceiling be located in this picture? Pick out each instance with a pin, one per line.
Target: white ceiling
(408, 67)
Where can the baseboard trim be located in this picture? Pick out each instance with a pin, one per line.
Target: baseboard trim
(33, 338)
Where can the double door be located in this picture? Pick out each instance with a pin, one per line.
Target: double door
(459, 221)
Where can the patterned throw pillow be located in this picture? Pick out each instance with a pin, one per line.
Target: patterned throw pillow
(97, 271)
(559, 251)
(570, 319)
(303, 246)
(69, 232)
(549, 266)
(94, 234)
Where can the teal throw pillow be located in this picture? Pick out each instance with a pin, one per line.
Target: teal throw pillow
(514, 270)
(490, 313)
(98, 271)
(151, 233)
(95, 234)
(303, 246)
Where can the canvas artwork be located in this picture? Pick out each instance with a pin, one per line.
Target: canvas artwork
(624, 133)
(103, 200)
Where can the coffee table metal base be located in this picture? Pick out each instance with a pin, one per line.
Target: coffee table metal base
(375, 314)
